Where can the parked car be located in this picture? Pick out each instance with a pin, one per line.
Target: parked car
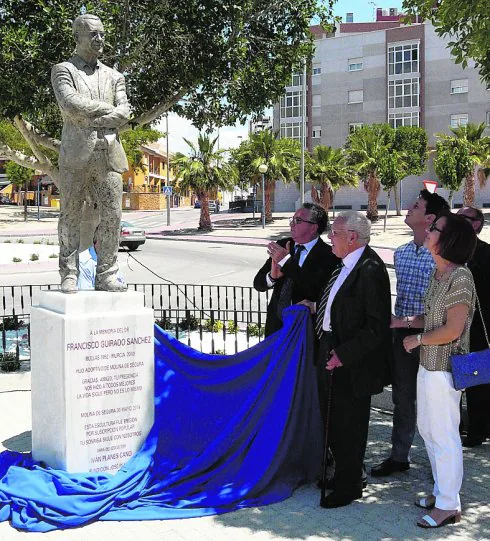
(213, 205)
(131, 236)
(4, 200)
(197, 204)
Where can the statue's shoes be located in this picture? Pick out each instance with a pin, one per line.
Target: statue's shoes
(69, 284)
(112, 285)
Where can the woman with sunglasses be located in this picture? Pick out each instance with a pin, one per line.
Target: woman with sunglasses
(449, 306)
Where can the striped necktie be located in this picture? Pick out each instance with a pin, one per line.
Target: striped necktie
(320, 313)
(285, 296)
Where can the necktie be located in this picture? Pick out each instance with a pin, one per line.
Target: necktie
(287, 287)
(320, 313)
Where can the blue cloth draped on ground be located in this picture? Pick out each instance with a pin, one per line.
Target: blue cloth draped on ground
(230, 432)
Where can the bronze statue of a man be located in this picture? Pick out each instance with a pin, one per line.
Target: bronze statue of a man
(93, 102)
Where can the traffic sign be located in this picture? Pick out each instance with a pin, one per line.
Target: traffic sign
(167, 190)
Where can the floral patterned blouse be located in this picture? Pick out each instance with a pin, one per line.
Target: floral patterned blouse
(457, 288)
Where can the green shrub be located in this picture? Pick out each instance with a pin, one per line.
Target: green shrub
(37, 242)
(213, 326)
(34, 257)
(11, 323)
(219, 352)
(255, 330)
(53, 255)
(7, 241)
(20, 241)
(232, 327)
(50, 242)
(190, 323)
(164, 324)
(16, 259)
(9, 362)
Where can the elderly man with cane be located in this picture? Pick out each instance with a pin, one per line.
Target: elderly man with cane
(353, 326)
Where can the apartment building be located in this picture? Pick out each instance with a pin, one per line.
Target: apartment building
(383, 71)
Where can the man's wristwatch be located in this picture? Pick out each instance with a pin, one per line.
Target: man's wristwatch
(419, 338)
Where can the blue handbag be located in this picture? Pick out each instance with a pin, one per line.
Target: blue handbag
(473, 368)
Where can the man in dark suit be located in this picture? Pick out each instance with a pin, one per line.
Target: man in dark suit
(353, 325)
(478, 397)
(298, 266)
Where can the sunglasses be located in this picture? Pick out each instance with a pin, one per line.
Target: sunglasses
(433, 227)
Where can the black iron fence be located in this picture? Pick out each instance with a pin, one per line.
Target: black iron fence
(213, 319)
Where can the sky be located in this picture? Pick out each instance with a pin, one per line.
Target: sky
(231, 136)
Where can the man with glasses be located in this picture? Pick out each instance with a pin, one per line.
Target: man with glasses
(353, 328)
(297, 266)
(93, 103)
(413, 266)
(478, 397)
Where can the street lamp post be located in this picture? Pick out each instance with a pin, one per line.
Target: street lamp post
(303, 135)
(168, 175)
(263, 170)
(38, 197)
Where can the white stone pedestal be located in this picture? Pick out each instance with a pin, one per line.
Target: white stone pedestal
(92, 379)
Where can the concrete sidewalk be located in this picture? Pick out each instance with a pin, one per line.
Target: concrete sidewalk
(385, 512)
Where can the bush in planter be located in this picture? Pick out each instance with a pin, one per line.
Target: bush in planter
(164, 324)
(9, 362)
(34, 257)
(255, 330)
(190, 323)
(213, 326)
(232, 327)
(11, 323)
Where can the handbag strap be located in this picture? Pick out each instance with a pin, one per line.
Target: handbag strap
(482, 320)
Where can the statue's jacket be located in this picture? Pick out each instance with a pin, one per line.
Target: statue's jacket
(82, 99)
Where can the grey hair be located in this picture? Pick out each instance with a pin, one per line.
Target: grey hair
(357, 221)
(79, 23)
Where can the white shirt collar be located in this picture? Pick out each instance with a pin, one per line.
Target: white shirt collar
(309, 245)
(350, 260)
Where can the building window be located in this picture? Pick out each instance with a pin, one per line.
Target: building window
(354, 64)
(317, 70)
(403, 119)
(356, 96)
(291, 104)
(459, 86)
(403, 93)
(317, 100)
(296, 79)
(317, 132)
(292, 130)
(403, 59)
(353, 126)
(459, 120)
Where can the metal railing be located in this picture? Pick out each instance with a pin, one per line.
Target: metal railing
(213, 319)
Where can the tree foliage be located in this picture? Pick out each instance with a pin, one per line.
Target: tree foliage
(281, 155)
(204, 171)
(465, 22)
(17, 174)
(452, 163)
(212, 61)
(328, 171)
(132, 141)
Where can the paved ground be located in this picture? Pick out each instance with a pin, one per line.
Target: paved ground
(386, 511)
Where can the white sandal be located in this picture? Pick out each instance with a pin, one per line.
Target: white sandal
(429, 502)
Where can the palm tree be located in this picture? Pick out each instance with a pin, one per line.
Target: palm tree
(328, 170)
(280, 155)
(479, 147)
(365, 149)
(204, 172)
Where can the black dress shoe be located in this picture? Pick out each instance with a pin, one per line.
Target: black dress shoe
(472, 441)
(330, 485)
(340, 499)
(389, 466)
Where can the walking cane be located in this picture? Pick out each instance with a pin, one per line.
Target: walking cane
(327, 426)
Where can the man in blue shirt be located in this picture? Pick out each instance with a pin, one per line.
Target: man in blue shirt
(87, 267)
(413, 266)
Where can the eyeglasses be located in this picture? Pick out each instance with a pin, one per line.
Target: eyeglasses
(298, 221)
(93, 34)
(433, 227)
(336, 232)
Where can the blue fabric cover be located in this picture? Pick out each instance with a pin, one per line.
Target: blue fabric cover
(230, 432)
